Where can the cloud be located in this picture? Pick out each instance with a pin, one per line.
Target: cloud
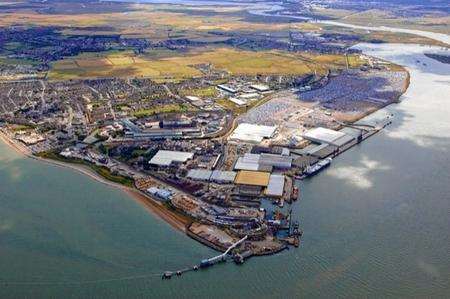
(358, 176)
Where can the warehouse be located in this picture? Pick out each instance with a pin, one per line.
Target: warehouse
(160, 193)
(260, 87)
(238, 101)
(223, 177)
(247, 162)
(252, 178)
(252, 133)
(249, 96)
(276, 186)
(217, 176)
(276, 161)
(199, 174)
(263, 162)
(167, 158)
(227, 88)
(323, 135)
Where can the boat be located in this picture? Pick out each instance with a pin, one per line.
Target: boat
(311, 170)
(295, 193)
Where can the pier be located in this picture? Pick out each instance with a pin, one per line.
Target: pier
(206, 262)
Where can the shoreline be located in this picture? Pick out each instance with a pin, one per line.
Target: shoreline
(156, 208)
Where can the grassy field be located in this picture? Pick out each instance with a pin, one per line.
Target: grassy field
(126, 64)
(145, 21)
(170, 108)
(335, 61)
(207, 92)
(181, 65)
(100, 170)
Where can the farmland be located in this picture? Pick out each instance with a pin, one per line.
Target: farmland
(233, 61)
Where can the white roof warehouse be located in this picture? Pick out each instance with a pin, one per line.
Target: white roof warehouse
(276, 185)
(252, 133)
(166, 158)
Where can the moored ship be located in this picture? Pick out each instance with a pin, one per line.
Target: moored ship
(312, 170)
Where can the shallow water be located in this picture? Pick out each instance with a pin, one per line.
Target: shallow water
(375, 223)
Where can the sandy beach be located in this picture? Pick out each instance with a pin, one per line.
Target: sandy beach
(155, 207)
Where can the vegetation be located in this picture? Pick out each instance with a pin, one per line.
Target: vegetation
(170, 108)
(100, 170)
(237, 62)
(208, 92)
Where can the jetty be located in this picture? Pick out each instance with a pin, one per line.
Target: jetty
(206, 262)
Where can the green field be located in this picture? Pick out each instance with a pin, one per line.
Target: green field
(181, 66)
(170, 108)
(100, 170)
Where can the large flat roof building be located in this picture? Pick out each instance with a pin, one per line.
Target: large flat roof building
(227, 88)
(252, 133)
(238, 101)
(220, 176)
(199, 174)
(324, 135)
(263, 162)
(276, 185)
(260, 87)
(217, 176)
(166, 158)
(252, 178)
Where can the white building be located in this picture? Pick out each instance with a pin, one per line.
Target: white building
(323, 135)
(260, 87)
(167, 158)
(276, 185)
(263, 162)
(237, 101)
(252, 133)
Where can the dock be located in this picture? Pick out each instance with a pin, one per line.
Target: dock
(207, 262)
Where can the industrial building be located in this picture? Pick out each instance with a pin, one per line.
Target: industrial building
(227, 88)
(217, 176)
(263, 162)
(155, 134)
(167, 158)
(276, 186)
(252, 133)
(260, 87)
(199, 174)
(252, 178)
(223, 177)
(332, 137)
(160, 193)
(237, 101)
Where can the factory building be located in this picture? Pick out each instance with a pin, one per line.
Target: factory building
(155, 134)
(160, 193)
(263, 162)
(177, 123)
(252, 133)
(275, 188)
(237, 101)
(252, 178)
(223, 177)
(260, 87)
(332, 137)
(227, 88)
(216, 176)
(251, 183)
(199, 174)
(168, 158)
